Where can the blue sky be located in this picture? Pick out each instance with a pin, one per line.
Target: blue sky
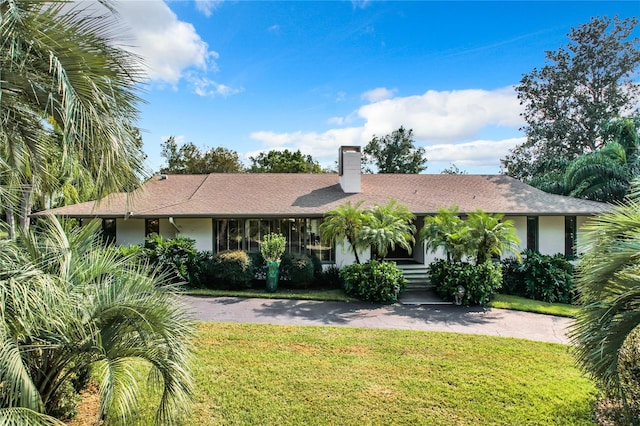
(254, 76)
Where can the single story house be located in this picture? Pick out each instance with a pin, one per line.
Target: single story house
(233, 211)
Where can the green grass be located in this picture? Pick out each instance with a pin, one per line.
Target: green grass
(336, 295)
(250, 374)
(516, 303)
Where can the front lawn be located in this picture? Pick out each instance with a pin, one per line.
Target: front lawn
(516, 303)
(287, 375)
(334, 295)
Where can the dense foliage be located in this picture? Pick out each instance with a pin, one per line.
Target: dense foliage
(480, 282)
(608, 284)
(297, 270)
(229, 269)
(284, 162)
(373, 281)
(70, 304)
(62, 68)
(539, 277)
(178, 257)
(480, 236)
(378, 228)
(189, 159)
(394, 153)
(583, 86)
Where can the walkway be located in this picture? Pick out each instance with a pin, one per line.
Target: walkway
(487, 321)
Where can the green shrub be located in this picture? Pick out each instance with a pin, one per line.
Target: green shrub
(611, 408)
(230, 270)
(177, 257)
(133, 251)
(329, 278)
(373, 281)
(479, 281)
(296, 270)
(259, 266)
(318, 269)
(540, 277)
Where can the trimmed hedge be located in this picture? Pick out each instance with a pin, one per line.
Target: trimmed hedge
(479, 281)
(373, 281)
(540, 277)
(230, 270)
(296, 270)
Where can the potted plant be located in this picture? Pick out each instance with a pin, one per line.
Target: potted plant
(272, 248)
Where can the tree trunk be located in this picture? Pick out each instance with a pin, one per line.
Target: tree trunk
(25, 207)
(11, 221)
(355, 250)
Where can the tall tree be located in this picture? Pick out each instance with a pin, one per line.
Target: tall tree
(583, 85)
(188, 159)
(61, 65)
(70, 303)
(604, 174)
(284, 162)
(345, 222)
(608, 283)
(394, 153)
(387, 226)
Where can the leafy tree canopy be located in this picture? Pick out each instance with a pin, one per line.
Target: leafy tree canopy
(394, 153)
(61, 68)
(188, 159)
(284, 162)
(582, 86)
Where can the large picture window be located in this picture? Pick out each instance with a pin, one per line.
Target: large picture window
(570, 237)
(532, 233)
(302, 234)
(151, 226)
(109, 230)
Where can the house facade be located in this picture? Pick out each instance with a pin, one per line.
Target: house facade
(233, 211)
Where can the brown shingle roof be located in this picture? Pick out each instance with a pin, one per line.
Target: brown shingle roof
(262, 195)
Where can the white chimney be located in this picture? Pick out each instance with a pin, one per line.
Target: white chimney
(349, 159)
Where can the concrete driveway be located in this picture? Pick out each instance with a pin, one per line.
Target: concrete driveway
(486, 321)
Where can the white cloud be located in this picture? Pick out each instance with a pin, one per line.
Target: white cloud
(274, 28)
(203, 86)
(207, 6)
(446, 123)
(447, 116)
(378, 94)
(481, 153)
(169, 46)
(321, 146)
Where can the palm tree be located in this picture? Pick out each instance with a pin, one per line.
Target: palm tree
(69, 303)
(60, 65)
(345, 222)
(445, 230)
(388, 225)
(488, 235)
(608, 282)
(605, 174)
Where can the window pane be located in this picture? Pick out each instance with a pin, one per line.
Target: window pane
(109, 230)
(152, 226)
(532, 233)
(570, 237)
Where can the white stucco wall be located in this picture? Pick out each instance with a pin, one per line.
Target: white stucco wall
(344, 255)
(199, 229)
(551, 234)
(520, 223)
(129, 232)
(167, 230)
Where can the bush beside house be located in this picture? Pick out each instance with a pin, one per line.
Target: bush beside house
(373, 281)
(539, 277)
